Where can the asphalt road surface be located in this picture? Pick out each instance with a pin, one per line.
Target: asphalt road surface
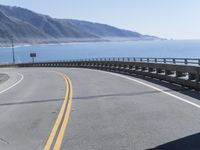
(108, 111)
(3, 78)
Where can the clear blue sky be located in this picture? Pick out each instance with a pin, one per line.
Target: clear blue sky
(178, 19)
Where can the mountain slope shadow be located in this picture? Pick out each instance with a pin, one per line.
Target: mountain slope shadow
(191, 142)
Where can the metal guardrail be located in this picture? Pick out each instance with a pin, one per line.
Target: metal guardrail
(180, 61)
(185, 72)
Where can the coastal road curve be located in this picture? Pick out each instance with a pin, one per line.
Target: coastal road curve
(107, 111)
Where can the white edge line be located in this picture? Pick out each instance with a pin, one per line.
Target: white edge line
(22, 77)
(153, 87)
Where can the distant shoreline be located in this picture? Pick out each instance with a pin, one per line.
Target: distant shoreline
(16, 45)
(44, 42)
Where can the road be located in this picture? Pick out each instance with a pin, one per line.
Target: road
(108, 112)
(3, 77)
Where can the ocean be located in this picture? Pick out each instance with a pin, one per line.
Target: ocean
(56, 52)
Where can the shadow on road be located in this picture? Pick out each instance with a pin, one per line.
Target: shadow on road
(174, 87)
(121, 94)
(191, 142)
(31, 102)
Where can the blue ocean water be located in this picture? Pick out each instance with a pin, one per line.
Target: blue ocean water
(170, 48)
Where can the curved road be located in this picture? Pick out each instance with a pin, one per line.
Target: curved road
(109, 111)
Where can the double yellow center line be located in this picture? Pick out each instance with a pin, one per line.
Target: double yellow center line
(59, 127)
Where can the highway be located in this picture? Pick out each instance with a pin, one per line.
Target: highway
(82, 109)
(3, 77)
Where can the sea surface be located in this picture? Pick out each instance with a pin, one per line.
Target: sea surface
(158, 49)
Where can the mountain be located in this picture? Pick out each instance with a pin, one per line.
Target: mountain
(18, 30)
(26, 26)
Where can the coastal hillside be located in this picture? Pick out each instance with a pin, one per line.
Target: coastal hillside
(11, 28)
(26, 26)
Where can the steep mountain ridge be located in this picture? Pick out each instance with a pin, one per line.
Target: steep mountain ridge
(26, 26)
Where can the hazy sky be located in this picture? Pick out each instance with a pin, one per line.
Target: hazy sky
(178, 19)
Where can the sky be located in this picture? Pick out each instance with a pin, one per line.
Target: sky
(176, 19)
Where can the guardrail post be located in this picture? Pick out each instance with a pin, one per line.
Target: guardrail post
(144, 68)
(159, 70)
(179, 74)
(130, 67)
(198, 76)
(164, 60)
(137, 68)
(174, 61)
(168, 72)
(191, 76)
(186, 61)
(150, 69)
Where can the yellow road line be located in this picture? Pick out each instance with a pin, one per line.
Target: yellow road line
(59, 118)
(66, 119)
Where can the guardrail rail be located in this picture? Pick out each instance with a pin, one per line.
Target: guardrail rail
(185, 72)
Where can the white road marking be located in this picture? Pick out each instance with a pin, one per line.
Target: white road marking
(22, 77)
(153, 87)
